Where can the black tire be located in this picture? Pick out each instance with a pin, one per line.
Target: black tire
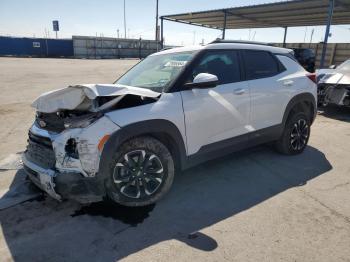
(295, 135)
(141, 172)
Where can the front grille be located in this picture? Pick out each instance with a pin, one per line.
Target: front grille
(40, 151)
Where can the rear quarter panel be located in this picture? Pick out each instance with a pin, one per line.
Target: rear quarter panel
(302, 84)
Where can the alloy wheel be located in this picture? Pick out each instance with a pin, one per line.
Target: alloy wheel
(299, 134)
(138, 174)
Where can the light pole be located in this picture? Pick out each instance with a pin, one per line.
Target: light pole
(157, 26)
(329, 22)
(157, 33)
(124, 22)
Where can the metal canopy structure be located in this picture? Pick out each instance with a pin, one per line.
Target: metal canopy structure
(280, 14)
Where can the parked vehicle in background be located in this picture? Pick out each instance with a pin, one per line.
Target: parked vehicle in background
(334, 85)
(175, 109)
(306, 57)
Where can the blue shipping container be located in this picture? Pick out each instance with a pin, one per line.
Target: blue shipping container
(37, 47)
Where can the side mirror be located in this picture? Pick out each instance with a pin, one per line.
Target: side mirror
(332, 67)
(203, 80)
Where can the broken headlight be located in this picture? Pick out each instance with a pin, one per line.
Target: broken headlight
(81, 121)
(71, 148)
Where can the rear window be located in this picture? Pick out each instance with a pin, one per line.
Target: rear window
(260, 64)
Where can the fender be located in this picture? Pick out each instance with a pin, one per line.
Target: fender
(303, 97)
(157, 128)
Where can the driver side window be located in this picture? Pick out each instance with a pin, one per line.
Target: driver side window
(224, 64)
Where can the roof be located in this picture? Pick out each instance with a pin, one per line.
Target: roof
(226, 45)
(279, 14)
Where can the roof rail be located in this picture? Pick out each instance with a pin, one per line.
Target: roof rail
(218, 40)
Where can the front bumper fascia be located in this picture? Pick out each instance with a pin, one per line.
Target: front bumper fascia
(65, 185)
(41, 177)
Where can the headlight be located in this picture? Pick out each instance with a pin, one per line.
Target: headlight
(81, 121)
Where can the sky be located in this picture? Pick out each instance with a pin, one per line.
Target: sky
(104, 18)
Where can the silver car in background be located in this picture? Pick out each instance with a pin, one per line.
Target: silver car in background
(334, 85)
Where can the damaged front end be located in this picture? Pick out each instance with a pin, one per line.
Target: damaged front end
(334, 89)
(66, 140)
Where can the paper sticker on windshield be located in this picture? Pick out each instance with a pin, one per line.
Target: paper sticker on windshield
(175, 63)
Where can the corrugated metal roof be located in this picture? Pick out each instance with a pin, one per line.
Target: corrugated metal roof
(279, 14)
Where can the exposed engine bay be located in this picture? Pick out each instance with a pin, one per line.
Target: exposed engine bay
(334, 88)
(78, 106)
(334, 94)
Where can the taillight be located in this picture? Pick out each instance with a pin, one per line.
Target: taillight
(312, 77)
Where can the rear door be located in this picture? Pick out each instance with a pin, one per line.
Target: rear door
(219, 113)
(270, 88)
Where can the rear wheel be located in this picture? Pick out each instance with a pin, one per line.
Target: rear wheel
(295, 135)
(142, 171)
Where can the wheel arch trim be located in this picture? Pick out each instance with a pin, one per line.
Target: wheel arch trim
(299, 99)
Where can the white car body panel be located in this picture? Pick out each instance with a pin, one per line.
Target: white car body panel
(339, 78)
(339, 75)
(215, 114)
(167, 107)
(270, 96)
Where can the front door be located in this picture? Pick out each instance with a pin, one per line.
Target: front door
(219, 113)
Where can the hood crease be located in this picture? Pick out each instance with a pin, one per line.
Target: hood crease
(81, 97)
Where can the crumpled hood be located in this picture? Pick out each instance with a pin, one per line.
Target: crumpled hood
(340, 78)
(80, 97)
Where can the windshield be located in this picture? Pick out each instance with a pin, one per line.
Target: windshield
(156, 72)
(344, 66)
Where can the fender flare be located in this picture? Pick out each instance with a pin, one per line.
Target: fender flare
(156, 128)
(298, 99)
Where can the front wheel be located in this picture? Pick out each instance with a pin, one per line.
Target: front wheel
(142, 171)
(295, 135)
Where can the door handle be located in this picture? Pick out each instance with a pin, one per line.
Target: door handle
(288, 83)
(239, 91)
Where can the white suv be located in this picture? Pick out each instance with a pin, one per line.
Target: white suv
(174, 109)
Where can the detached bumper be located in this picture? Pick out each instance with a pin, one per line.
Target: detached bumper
(64, 185)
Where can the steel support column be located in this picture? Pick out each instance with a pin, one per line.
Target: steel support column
(224, 27)
(157, 32)
(329, 22)
(161, 32)
(285, 36)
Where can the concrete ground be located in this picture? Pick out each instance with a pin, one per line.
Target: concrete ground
(256, 205)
